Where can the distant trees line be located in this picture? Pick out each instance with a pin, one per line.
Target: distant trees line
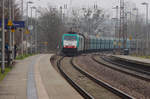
(50, 28)
(53, 22)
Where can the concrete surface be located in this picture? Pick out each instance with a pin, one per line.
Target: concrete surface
(133, 59)
(46, 82)
(56, 86)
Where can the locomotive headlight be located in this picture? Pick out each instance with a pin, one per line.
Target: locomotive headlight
(70, 43)
(74, 43)
(66, 43)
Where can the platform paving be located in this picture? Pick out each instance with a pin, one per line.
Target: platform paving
(133, 59)
(35, 78)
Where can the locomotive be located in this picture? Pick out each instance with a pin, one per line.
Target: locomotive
(73, 43)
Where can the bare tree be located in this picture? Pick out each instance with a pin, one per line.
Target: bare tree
(91, 21)
(50, 28)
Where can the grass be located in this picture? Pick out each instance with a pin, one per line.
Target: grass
(21, 57)
(7, 70)
(147, 57)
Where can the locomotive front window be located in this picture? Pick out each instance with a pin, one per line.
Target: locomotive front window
(70, 38)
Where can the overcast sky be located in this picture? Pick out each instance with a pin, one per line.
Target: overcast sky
(106, 4)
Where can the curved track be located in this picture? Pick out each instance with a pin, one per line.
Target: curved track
(139, 73)
(128, 66)
(99, 82)
(75, 85)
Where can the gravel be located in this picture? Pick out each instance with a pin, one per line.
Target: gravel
(91, 87)
(133, 86)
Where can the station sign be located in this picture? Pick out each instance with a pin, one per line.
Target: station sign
(27, 31)
(13, 30)
(19, 24)
(16, 24)
(13, 25)
(10, 23)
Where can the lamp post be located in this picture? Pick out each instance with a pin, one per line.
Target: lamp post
(129, 32)
(10, 34)
(22, 35)
(129, 13)
(146, 4)
(36, 32)
(3, 38)
(31, 34)
(116, 24)
(13, 33)
(29, 2)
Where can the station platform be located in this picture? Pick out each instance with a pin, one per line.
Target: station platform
(133, 59)
(35, 78)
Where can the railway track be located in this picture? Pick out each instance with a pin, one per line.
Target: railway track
(75, 85)
(129, 66)
(85, 94)
(128, 69)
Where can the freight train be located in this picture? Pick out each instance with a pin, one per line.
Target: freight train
(73, 43)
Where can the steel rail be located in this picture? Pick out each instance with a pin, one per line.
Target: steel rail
(82, 92)
(102, 83)
(123, 71)
(126, 66)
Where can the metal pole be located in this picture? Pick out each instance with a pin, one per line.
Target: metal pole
(147, 33)
(147, 28)
(10, 34)
(31, 30)
(37, 44)
(3, 38)
(116, 34)
(34, 37)
(117, 8)
(123, 29)
(28, 2)
(22, 46)
(120, 25)
(130, 31)
(137, 31)
(27, 29)
(116, 24)
(13, 33)
(145, 41)
(36, 33)
(147, 13)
